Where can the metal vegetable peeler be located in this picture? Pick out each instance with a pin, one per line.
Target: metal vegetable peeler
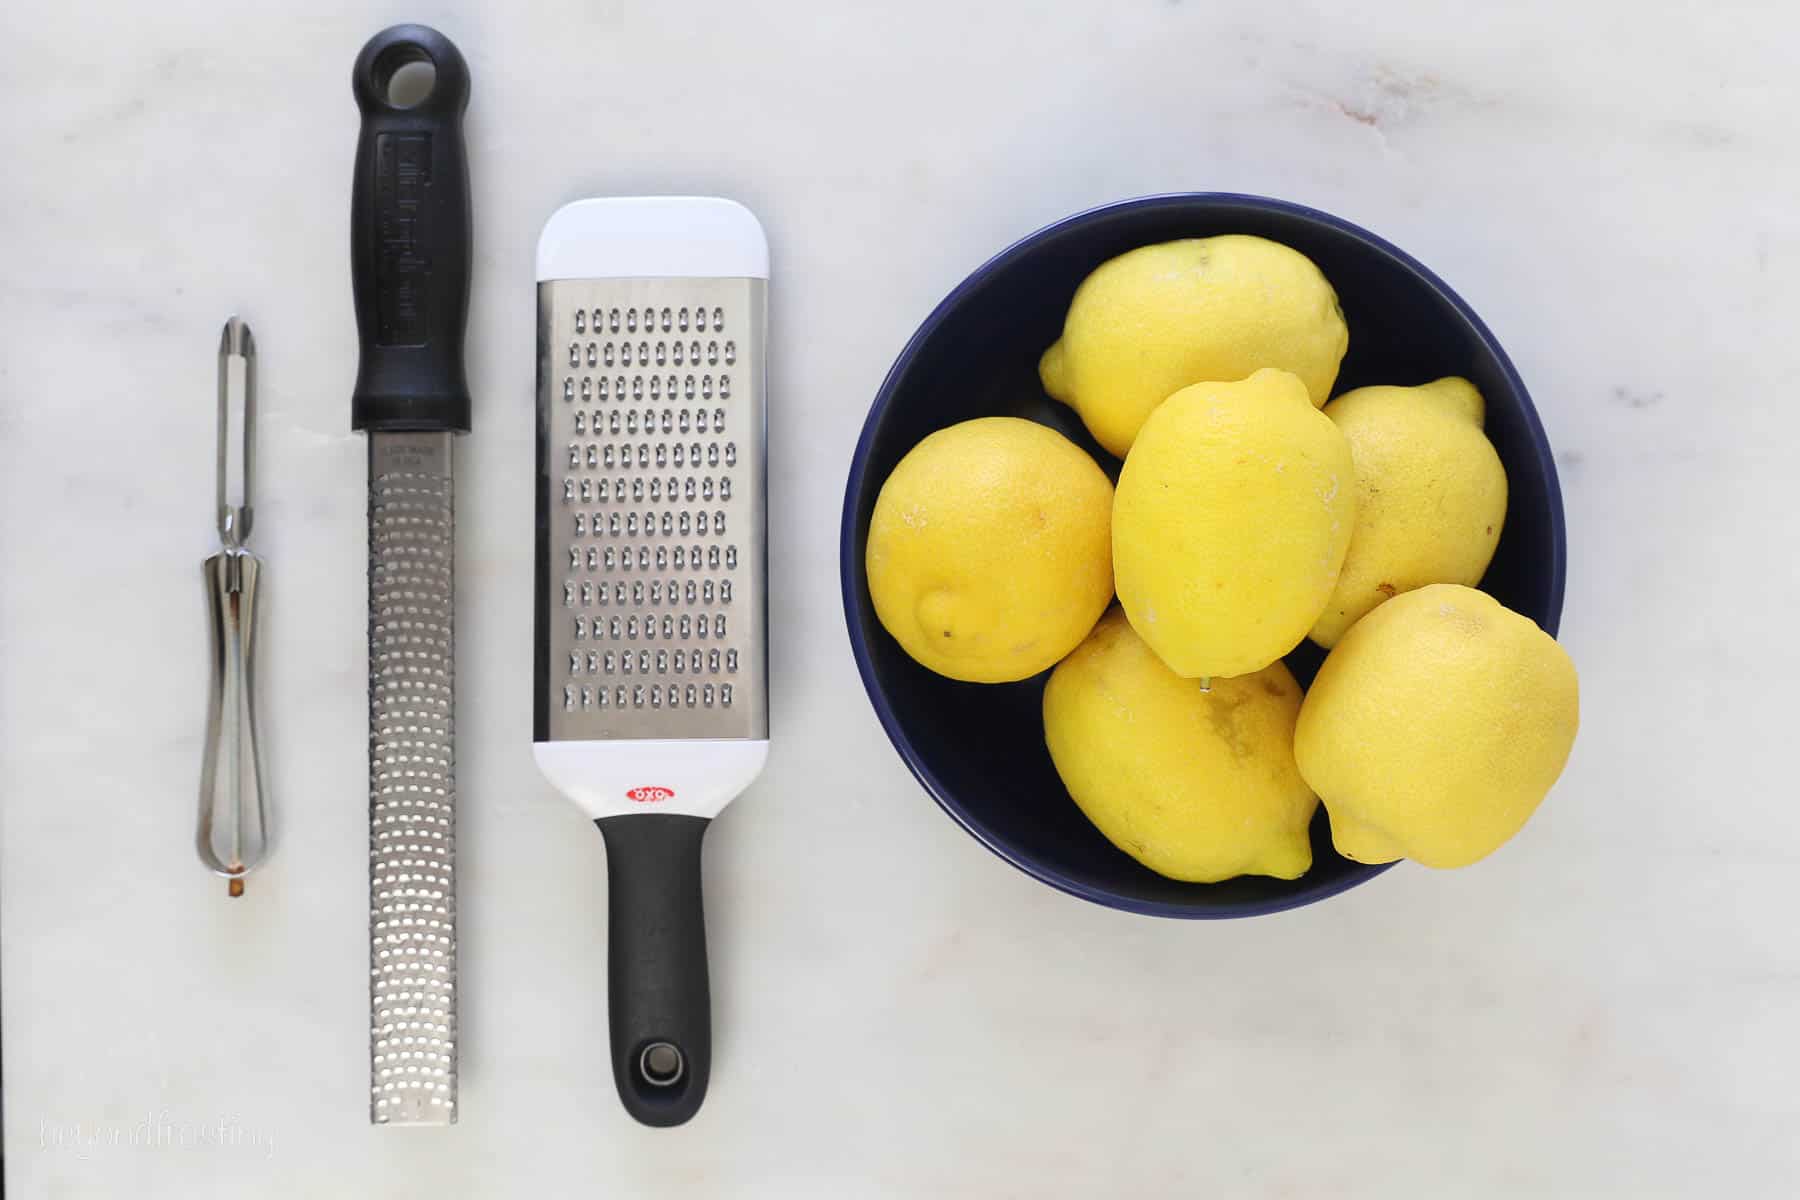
(233, 836)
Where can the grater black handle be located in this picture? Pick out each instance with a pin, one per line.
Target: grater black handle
(659, 1003)
(410, 238)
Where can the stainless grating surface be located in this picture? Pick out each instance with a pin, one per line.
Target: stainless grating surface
(412, 782)
(650, 404)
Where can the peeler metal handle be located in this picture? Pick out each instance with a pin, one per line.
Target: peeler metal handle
(233, 835)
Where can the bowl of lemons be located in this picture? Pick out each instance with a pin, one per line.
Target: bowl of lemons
(1202, 556)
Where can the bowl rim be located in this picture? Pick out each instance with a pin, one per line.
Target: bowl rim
(849, 556)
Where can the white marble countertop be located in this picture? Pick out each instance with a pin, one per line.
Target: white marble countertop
(1606, 1007)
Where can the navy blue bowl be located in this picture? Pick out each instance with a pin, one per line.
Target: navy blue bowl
(979, 748)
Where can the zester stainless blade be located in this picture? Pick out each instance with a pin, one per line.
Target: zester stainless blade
(412, 781)
(650, 582)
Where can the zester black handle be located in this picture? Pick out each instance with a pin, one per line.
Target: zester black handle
(660, 1006)
(410, 238)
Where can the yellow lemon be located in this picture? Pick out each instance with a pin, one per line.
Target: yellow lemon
(1199, 786)
(1156, 319)
(1436, 726)
(1431, 495)
(989, 553)
(1233, 513)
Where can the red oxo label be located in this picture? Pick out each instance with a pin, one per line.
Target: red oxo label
(650, 795)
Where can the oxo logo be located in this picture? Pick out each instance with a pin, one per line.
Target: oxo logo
(650, 795)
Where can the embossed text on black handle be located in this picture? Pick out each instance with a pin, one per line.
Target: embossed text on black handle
(410, 238)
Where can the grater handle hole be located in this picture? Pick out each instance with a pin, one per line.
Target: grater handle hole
(662, 1064)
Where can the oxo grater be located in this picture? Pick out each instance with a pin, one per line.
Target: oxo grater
(410, 266)
(651, 706)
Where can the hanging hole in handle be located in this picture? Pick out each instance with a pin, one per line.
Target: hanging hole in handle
(661, 1064)
(405, 76)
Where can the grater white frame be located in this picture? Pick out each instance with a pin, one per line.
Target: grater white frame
(671, 237)
(652, 237)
